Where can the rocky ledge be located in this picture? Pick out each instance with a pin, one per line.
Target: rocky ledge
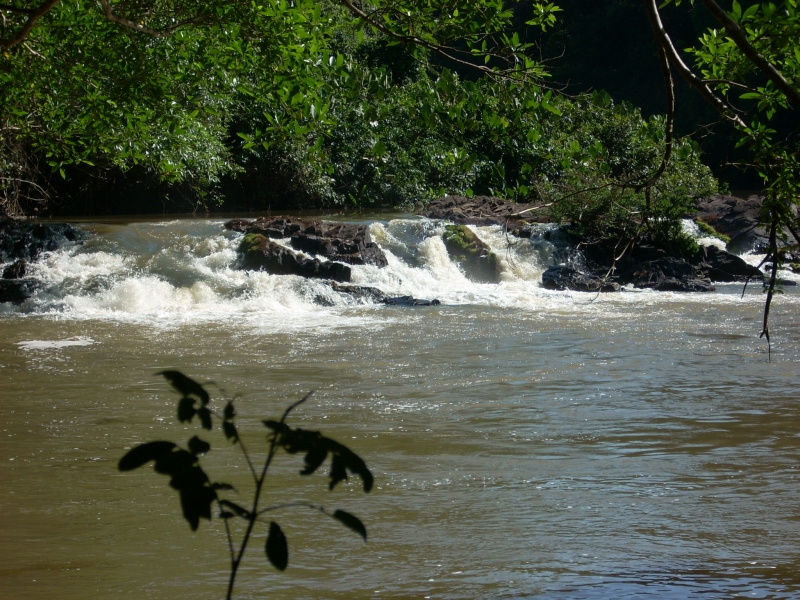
(22, 243)
(486, 210)
(337, 245)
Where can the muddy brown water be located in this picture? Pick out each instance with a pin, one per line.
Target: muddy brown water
(524, 443)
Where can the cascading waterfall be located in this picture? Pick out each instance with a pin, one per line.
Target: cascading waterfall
(187, 269)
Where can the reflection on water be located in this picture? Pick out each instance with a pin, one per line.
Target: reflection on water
(524, 443)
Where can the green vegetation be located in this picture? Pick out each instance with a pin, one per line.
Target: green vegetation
(198, 493)
(708, 230)
(391, 103)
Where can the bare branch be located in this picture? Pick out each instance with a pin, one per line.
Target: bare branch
(740, 39)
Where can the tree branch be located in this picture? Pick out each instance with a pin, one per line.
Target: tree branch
(740, 39)
(417, 41)
(665, 43)
(34, 14)
(135, 26)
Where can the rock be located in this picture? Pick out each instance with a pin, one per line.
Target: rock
(561, 278)
(723, 267)
(346, 243)
(16, 270)
(737, 218)
(15, 290)
(485, 210)
(468, 250)
(23, 240)
(361, 292)
(409, 301)
(667, 274)
(259, 253)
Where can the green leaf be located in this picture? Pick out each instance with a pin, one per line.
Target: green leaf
(277, 549)
(351, 522)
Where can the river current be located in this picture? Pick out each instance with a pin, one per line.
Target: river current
(525, 443)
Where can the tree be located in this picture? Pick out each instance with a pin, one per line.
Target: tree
(157, 83)
(754, 58)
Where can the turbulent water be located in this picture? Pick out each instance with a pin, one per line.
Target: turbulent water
(525, 443)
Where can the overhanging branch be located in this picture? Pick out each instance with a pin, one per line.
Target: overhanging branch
(665, 43)
(740, 39)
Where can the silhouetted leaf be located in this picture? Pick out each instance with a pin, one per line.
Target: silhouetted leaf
(205, 418)
(277, 549)
(196, 504)
(186, 410)
(230, 431)
(144, 453)
(175, 462)
(198, 446)
(313, 443)
(226, 514)
(229, 411)
(186, 386)
(351, 522)
(239, 510)
(338, 471)
(222, 486)
(314, 458)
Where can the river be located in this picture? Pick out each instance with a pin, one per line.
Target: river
(524, 443)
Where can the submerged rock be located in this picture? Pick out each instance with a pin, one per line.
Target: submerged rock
(340, 242)
(24, 240)
(21, 243)
(373, 295)
(562, 278)
(16, 270)
(16, 290)
(468, 250)
(409, 301)
(257, 253)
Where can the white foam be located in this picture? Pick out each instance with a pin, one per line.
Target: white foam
(55, 344)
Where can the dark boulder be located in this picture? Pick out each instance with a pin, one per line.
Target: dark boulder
(369, 295)
(259, 253)
(472, 254)
(724, 267)
(738, 218)
(16, 270)
(561, 277)
(409, 301)
(23, 240)
(346, 243)
(15, 290)
(668, 274)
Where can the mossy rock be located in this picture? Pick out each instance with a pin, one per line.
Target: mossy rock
(795, 267)
(252, 242)
(709, 231)
(478, 262)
